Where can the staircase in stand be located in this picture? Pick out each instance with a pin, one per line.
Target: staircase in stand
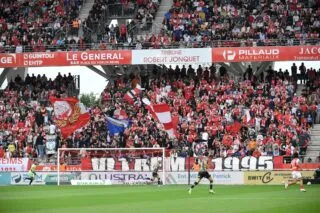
(313, 150)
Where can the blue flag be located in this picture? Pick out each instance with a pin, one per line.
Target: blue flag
(116, 126)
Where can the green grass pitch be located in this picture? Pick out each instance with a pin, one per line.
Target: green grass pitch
(153, 199)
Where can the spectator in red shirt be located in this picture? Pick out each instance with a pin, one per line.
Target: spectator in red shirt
(2, 152)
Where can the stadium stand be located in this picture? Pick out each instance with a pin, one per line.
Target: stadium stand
(53, 25)
(26, 113)
(142, 11)
(272, 119)
(32, 25)
(239, 23)
(228, 23)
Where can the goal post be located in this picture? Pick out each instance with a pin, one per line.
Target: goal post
(105, 166)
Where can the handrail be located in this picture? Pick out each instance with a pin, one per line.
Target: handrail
(149, 45)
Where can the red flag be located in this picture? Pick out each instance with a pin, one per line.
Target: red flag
(69, 115)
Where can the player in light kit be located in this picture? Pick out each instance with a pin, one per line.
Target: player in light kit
(31, 174)
(296, 174)
(203, 173)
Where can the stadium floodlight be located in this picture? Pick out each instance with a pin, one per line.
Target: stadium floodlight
(104, 166)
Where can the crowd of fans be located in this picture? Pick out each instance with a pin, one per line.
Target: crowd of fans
(289, 22)
(143, 11)
(36, 24)
(26, 113)
(227, 23)
(30, 25)
(208, 104)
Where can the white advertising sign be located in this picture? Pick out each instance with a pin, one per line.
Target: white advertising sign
(90, 182)
(172, 56)
(118, 177)
(225, 178)
(171, 177)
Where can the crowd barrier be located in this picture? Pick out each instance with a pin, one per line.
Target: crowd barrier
(161, 56)
(98, 177)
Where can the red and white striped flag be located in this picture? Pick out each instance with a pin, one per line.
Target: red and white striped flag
(149, 107)
(163, 114)
(133, 94)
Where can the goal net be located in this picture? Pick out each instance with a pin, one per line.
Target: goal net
(108, 166)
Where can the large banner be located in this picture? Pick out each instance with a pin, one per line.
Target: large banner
(272, 53)
(171, 56)
(76, 58)
(246, 163)
(161, 56)
(182, 164)
(272, 177)
(13, 164)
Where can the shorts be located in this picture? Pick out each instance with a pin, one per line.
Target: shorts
(203, 174)
(296, 175)
(154, 174)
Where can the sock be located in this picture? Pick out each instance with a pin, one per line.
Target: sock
(31, 180)
(192, 186)
(211, 185)
(159, 182)
(301, 186)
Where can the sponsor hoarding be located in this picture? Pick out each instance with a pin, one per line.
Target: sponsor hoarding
(171, 56)
(232, 178)
(265, 53)
(118, 177)
(171, 177)
(161, 56)
(90, 182)
(18, 178)
(271, 177)
(74, 58)
(48, 178)
(5, 178)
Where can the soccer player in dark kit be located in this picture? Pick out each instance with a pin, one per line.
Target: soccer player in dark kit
(203, 173)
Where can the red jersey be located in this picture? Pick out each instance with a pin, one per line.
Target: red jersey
(295, 164)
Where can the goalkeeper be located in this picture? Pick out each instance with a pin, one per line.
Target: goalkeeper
(155, 175)
(31, 174)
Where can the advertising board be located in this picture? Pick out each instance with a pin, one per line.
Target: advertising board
(271, 177)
